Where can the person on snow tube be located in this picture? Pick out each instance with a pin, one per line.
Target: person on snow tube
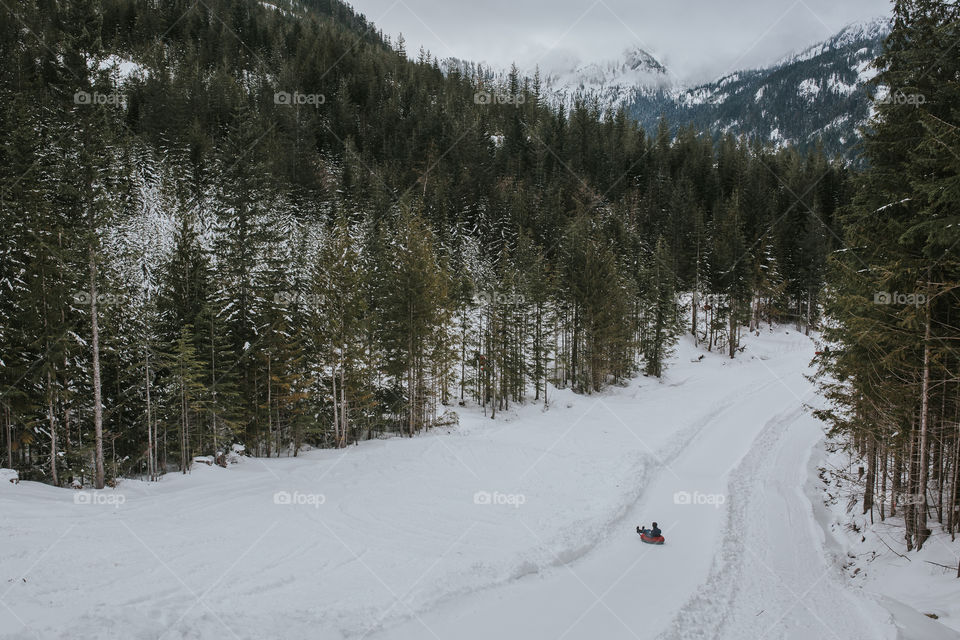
(653, 532)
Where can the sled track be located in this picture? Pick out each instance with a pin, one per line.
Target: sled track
(544, 558)
(707, 612)
(785, 588)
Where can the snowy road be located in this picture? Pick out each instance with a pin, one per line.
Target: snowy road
(779, 581)
(706, 582)
(522, 529)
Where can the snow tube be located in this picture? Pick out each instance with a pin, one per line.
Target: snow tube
(651, 539)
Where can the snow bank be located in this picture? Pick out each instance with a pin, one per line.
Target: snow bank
(914, 587)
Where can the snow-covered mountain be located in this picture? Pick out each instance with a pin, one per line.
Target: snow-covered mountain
(817, 95)
(855, 33)
(613, 82)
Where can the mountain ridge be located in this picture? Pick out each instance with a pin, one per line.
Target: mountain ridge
(815, 95)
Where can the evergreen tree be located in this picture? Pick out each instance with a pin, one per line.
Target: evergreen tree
(412, 309)
(894, 293)
(664, 319)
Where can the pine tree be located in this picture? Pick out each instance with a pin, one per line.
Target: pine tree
(340, 322)
(894, 292)
(185, 392)
(664, 319)
(247, 227)
(413, 307)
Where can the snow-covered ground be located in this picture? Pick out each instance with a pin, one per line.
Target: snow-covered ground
(519, 527)
(872, 551)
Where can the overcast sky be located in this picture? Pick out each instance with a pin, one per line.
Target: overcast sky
(696, 39)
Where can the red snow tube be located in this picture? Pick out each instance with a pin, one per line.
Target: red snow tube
(651, 539)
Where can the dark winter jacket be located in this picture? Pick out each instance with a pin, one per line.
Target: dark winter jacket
(655, 532)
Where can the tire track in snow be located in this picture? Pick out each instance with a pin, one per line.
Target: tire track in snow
(783, 588)
(597, 534)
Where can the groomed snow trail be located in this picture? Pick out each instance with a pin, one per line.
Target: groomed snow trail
(401, 547)
(773, 577)
(749, 565)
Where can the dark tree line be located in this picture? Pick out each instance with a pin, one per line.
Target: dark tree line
(892, 366)
(224, 223)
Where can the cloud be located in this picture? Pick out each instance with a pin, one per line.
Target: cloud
(696, 39)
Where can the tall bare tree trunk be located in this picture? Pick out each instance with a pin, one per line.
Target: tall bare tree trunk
(95, 346)
(53, 431)
(66, 422)
(336, 413)
(696, 289)
(278, 443)
(871, 478)
(924, 454)
(269, 406)
(883, 481)
(732, 334)
(183, 421)
(8, 427)
(710, 332)
(546, 370)
(576, 351)
(411, 375)
(151, 467)
(343, 407)
(910, 507)
(938, 475)
(954, 478)
(896, 480)
(51, 420)
(213, 384)
(463, 353)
